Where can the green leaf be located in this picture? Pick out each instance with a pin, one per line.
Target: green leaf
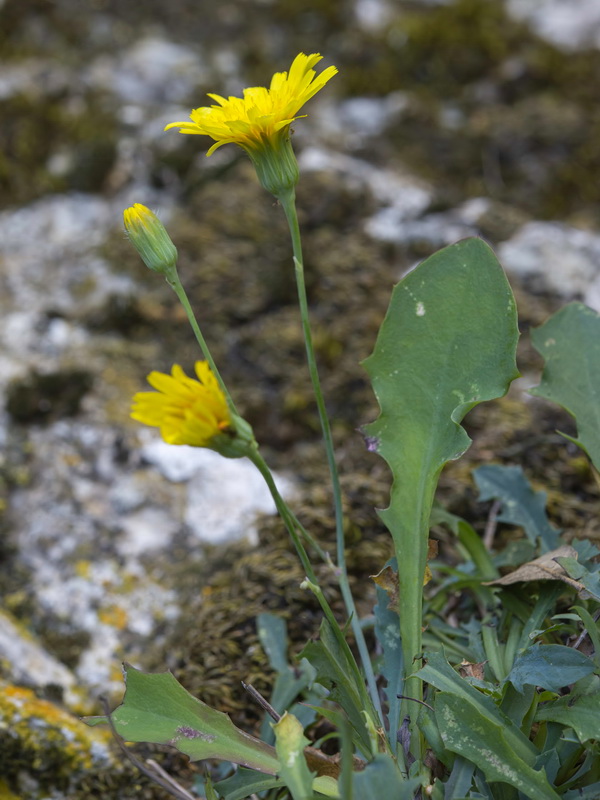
(156, 708)
(483, 741)
(460, 780)
(437, 672)
(468, 537)
(580, 712)
(272, 634)
(209, 789)
(446, 344)
(387, 631)
(550, 666)
(335, 671)
(591, 626)
(588, 582)
(245, 782)
(570, 345)
(591, 792)
(289, 744)
(380, 779)
(520, 504)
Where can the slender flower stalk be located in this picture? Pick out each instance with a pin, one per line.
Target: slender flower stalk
(150, 238)
(288, 202)
(175, 284)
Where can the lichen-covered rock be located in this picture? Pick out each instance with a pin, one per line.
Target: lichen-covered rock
(43, 746)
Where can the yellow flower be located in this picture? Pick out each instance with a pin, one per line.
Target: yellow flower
(260, 120)
(262, 113)
(186, 410)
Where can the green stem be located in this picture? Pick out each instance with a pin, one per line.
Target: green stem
(295, 524)
(288, 202)
(285, 513)
(175, 284)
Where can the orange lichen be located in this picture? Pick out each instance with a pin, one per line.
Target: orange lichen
(47, 737)
(115, 616)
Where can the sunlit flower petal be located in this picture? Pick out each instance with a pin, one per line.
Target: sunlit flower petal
(186, 410)
(261, 113)
(260, 120)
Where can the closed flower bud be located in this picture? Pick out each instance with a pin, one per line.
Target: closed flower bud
(149, 237)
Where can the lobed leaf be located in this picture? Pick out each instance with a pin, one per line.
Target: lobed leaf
(570, 345)
(446, 344)
(520, 504)
(156, 708)
(580, 712)
(335, 671)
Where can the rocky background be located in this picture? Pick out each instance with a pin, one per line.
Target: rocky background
(448, 119)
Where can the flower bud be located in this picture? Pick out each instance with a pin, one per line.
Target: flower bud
(149, 237)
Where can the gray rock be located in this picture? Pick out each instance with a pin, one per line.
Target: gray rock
(569, 24)
(224, 496)
(29, 663)
(561, 258)
(152, 72)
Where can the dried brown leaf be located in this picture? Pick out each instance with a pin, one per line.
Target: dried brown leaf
(544, 568)
(468, 669)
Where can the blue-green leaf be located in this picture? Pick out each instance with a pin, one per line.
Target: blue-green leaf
(550, 666)
(245, 782)
(380, 779)
(387, 630)
(483, 741)
(272, 634)
(447, 343)
(570, 345)
(580, 712)
(588, 583)
(520, 504)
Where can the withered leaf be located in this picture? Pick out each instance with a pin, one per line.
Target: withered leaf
(387, 579)
(544, 568)
(467, 669)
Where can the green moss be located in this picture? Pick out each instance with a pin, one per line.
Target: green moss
(34, 130)
(492, 110)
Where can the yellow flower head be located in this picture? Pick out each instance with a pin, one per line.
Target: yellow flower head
(261, 114)
(260, 121)
(186, 410)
